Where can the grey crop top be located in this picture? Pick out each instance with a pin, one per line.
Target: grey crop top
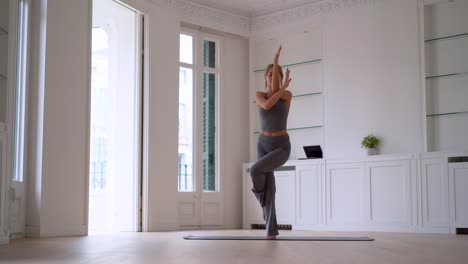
(276, 118)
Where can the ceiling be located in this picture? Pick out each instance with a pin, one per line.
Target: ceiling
(252, 8)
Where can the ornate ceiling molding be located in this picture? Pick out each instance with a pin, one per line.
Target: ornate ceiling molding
(247, 25)
(304, 12)
(242, 24)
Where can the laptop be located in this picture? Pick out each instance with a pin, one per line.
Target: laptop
(313, 152)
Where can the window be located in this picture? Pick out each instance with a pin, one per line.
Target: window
(198, 84)
(20, 95)
(100, 94)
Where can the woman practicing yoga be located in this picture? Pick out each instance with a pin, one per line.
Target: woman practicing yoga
(273, 147)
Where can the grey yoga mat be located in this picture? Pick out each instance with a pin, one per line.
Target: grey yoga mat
(281, 238)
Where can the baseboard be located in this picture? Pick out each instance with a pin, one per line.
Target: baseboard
(164, 227)
(420, 230)
(51, 230)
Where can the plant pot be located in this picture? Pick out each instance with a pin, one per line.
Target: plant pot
(371, 151)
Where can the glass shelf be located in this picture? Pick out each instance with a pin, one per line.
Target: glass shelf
(447, 75)
(3, 31)
(452, 113)
(447, 37)
(296, 128)
(2, 77)
(300, 95)
(307, 94)
(294, 64)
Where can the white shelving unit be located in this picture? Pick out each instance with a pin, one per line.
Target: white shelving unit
(302, 54)
(446, 75)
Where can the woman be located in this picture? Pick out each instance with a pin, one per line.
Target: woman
(273, 147)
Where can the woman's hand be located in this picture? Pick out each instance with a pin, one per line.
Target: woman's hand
(287, 80)
(276, 59)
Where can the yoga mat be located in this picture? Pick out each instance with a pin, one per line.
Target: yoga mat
(280, 238)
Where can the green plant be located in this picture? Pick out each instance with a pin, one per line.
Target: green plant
(370, 141)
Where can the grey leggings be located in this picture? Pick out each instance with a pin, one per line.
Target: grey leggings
(272, 153)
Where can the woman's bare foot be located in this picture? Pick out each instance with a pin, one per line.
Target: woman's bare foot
(271, 237)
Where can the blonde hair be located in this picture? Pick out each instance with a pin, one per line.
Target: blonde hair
(270, 66)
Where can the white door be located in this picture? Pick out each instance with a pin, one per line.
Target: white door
(115, 136)
(200, 188)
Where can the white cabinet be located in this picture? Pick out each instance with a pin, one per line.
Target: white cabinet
(308, 195)
(285, 190)
(345, 194)
(377, 193)
(388, 193)
(458, 191)
(434, 191)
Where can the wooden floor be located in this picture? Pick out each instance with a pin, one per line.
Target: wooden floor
(170, 247)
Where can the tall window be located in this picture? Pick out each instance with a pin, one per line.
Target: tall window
(20, 94)
(100, 100)
(186, 99)
(198, 84)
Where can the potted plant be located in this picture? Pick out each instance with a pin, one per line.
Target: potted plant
(370, 143)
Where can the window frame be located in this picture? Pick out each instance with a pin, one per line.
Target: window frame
(197, 134)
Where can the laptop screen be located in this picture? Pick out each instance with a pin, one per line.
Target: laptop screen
(313, 152)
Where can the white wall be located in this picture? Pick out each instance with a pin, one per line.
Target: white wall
(372, 78)
(163, 119)
(35, 118)
(57, 145)
(66, 111)
(234, 123)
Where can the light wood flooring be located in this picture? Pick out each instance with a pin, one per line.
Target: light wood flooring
(170, 247)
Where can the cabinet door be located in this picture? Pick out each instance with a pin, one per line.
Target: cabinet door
(345, 194)
(388, 198)
(458, 193)
(285, 196)
(308, 193)
(434, 190)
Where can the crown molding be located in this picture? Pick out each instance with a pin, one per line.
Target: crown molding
(305, 12)
(249, 25)
(239, 23)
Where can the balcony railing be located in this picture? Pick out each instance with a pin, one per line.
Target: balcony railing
(185, 177)
(98, 174)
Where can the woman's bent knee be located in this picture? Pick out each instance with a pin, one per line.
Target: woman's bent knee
(255, 170)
